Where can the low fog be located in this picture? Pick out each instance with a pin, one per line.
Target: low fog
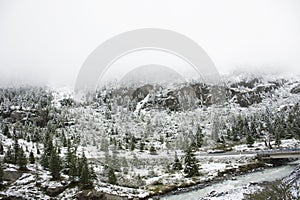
(46, 42)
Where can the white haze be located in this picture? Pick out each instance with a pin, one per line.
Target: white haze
(46, 42)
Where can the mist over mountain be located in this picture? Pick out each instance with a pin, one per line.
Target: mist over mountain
(152, 74)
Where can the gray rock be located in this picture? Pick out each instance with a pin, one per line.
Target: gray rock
(296, 89)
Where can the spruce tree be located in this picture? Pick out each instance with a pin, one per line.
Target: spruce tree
(37, 149)
(71, 163)
(1, 173)
(81, 163)
(55, 164)
(1, 148)
(31, 158)
(177, 164)
(16, 151)
(250, 140)
(142, 145)
(64, 140)
(199, 137)
(153, 150)
(85, 177)
(8, 157)
(132, 144)
(22, 160)
(72, 168)
(48, 148)
(112, 179)
(191, 167)
(253, 130)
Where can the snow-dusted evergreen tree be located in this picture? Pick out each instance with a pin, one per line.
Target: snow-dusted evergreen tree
(1, 148)
(191, 167)
(250, 140)
(199, 137)
(21, 159)
(177, 164)
(152, 150)
(16, 151)
(85, 179)
(1, 173)
(48, 149)
(31, 158)
(71, 163)
(112, 179)
(55, 164)
(8, 157)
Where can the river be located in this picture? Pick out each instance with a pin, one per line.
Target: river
(238, 185)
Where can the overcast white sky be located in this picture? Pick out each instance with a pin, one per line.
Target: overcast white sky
(48, 41)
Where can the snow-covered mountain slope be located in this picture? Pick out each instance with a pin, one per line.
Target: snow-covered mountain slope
(125, 140)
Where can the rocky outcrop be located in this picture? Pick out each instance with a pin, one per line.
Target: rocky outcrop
(192, 95)
(247, 84)
(141, 92)
(249, 96)
(296, 89)
(170, 102)
(246, 99)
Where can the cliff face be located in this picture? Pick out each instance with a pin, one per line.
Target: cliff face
(186, 96)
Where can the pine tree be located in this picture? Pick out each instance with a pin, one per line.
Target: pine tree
(85, 173)
(191, 167)
(235, 135)
(31, 158)
(64, 140)
(132, 144)
(71, 163)
(55, 164)
(177, 164)
(142, 145)
(22, 160)
(250, 140)
(253, 130)
(48, 148)
(1, 173)
(199, 137)
(85, 177)
(153, 150)
(8, 157)
(37, 149)
(81, 163)
(120, 145)
(1, 148)
(16, 151)
(112, 179)
(73, 168)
